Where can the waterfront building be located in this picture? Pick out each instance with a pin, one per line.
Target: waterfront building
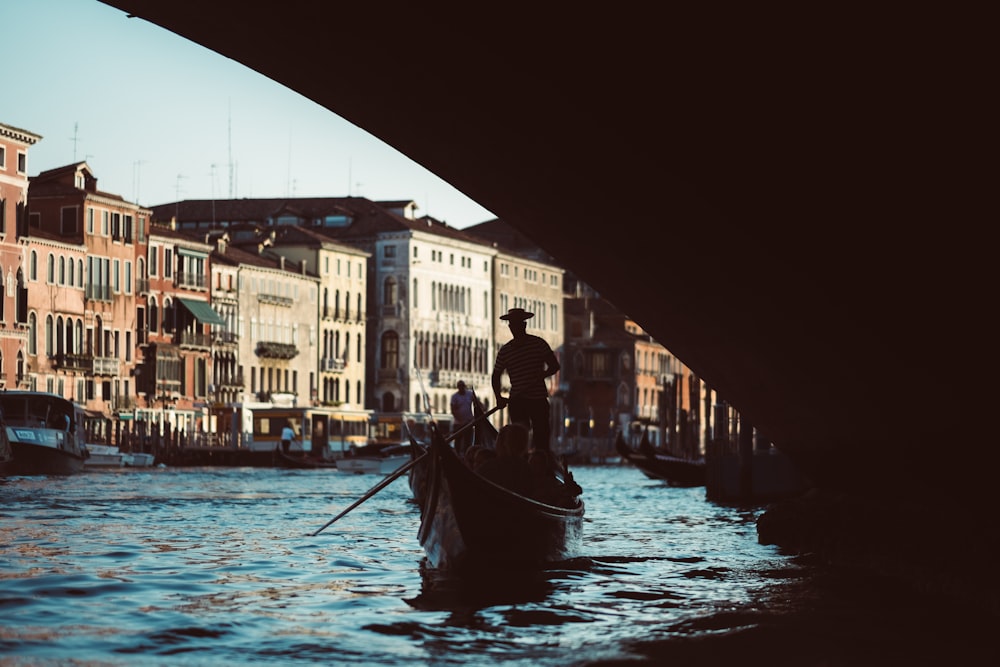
(341, 311)
(525, 276)
(276, 339)
(14, 325)
(175, 374)
(618, 378)
(65, 203)
(428, 300)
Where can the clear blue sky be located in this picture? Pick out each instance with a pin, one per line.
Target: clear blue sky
(152, 112)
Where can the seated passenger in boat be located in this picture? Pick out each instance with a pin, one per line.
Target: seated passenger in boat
(470, 455)
(546, 486)
(510, 468)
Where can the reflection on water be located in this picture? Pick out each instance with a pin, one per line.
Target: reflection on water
(218, 566)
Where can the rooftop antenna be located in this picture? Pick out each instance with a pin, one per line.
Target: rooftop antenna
(288, 175)
(177, 198)
(136, 173)
(230, 132)
(213, 194)
(75, 138)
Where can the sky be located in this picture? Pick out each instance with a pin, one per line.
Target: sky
(159, 118)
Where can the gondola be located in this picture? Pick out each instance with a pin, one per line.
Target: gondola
(468, 523)
(674, 470)
(300, 461)
(484, 434)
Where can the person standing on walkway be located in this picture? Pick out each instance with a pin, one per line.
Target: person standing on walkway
(287, 436)
(528, 361)
(461, 412)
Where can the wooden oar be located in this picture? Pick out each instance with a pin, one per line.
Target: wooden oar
(391, 477)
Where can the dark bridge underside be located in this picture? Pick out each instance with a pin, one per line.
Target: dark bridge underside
(787, 202)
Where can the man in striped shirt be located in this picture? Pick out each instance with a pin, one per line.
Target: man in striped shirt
(528, 361)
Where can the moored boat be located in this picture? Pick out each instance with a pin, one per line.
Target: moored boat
(674, 470)
(382, 460)
(300, 460)
(468, 522)
(45, 432)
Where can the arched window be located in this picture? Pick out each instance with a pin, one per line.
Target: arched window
(390, 350)
(79, 271)
(62, 270)
(33, 266)
(154, 315)
(50, 269)
(32, 334)
(48, 335)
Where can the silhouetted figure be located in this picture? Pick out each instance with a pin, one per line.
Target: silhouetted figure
(528, 361)
(461, 412)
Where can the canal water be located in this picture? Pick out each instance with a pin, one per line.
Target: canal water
(217, 566)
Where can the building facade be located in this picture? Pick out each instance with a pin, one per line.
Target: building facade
(65, 203)
(14, 146)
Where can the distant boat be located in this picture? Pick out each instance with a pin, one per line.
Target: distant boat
(109, 457)
(674, 470)
(45, 432)
(380, 460)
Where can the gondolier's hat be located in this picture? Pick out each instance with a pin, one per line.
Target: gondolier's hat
(517, 315)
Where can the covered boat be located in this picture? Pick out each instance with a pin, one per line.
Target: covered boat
(45, 432)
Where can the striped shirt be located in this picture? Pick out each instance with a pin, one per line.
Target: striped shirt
(525, 361)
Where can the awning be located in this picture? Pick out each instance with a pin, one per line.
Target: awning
(202, 311)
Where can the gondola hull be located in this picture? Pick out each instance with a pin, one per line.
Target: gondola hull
(469, 523)
(671, 469)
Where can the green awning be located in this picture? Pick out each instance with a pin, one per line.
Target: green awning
(202, 311)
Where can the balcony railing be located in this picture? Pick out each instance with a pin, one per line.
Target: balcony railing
(199, 340)
(226, 382)
(73, 362)
(107, 366)
(332, 364)
(189, 279)
(275, 299)
(142, 285)
(225, 338)
(273, 350)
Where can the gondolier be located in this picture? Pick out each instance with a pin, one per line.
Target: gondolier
(528, 361)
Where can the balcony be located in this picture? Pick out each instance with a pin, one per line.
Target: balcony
(107, 366)
(332, 365)
(229, 382)
(142, 285)
(225, 338)
(73, 362)
(275, 300)
(191, 280)
(273, 350)
(201, 341)
(122, 404)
